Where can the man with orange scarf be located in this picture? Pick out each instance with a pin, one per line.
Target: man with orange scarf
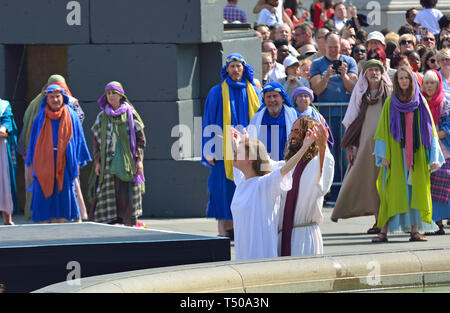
(56, 149)
(24, 139)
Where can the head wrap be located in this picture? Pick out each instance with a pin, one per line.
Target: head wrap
(275, 86)
(54, 88)
(435, 101)
(359, 90)
(302, 90)
(249, 72)
(115, 86)
(417, 102)
(373, 63)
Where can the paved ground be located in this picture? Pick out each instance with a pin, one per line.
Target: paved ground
(345, 237)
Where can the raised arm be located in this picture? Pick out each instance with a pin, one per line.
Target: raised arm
(319, 83)
(349, 79)
(262, 5)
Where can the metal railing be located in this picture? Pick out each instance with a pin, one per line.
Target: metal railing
(334, 113)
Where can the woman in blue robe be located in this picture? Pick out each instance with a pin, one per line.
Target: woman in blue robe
(8, 143)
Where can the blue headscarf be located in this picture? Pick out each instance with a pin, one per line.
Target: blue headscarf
(52, 89)
(249, 72)
(274, 86)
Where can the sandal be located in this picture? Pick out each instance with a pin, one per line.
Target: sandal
(230, 234)
(382, 237)
(437, 232)
(417, 237)
(374, 230)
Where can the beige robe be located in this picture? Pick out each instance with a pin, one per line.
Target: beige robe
(358, 195)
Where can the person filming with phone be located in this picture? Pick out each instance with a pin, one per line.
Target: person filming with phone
(333, 78)
(334, 75)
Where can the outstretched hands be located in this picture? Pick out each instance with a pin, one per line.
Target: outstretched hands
(311, 136)
(236, 136)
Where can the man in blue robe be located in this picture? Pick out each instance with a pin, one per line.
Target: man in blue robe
(274, 119)
(56, 150)
(231, 103)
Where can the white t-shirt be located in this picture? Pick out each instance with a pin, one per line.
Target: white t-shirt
(255, 207)
(277, 72)
(279, 12)
(429, 18)
(339, 24)
(268, 18)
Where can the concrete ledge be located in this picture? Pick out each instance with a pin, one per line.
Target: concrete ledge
(340, 273)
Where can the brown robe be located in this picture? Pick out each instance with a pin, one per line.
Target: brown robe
(358, 195)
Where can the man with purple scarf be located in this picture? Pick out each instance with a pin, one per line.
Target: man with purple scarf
(117, 181)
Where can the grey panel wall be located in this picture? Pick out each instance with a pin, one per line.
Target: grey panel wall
(175, 188)
(44, 21)
(156, 72)
(168, 21)
(3, 71)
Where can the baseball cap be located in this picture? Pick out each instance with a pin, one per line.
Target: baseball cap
(290, 60)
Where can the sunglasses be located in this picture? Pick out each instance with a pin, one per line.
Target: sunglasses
(427, 39)
(404, 42)
(360, 50)
(432, 60)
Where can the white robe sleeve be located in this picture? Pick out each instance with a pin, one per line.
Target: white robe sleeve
(326, 179)
(274, 184)
(238, 176)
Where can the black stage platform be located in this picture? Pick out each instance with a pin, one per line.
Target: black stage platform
(34, 256)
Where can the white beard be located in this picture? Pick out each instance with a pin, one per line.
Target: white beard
(275, 110)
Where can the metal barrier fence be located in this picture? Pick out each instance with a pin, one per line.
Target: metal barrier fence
(334, 114)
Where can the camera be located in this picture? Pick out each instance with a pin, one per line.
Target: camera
(336, 65)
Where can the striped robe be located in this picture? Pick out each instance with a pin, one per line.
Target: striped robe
(112, 191)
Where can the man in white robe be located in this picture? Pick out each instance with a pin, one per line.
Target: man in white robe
(301, 208)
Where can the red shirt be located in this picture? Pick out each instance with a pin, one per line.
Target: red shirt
(318, 23)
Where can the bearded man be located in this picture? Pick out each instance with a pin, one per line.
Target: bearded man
(358, 195)
(233, 102)
(301, 207)
(274, 119)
